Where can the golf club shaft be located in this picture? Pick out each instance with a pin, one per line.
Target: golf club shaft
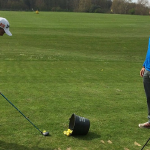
(21, 113)
(145, 144)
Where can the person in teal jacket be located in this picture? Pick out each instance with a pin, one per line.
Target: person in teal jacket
(145, 73)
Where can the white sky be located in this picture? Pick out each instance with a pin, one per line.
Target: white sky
(134, 0)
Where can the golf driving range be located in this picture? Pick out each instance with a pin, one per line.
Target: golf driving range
(57, 64)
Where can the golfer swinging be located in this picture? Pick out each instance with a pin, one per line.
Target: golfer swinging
(145, 73)
(4, 27)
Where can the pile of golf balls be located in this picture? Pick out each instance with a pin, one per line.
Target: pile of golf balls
(68, 132)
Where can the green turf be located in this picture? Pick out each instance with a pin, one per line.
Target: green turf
(57, 64)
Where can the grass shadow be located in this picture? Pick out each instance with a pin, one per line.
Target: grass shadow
(14, 146)
(89, 136)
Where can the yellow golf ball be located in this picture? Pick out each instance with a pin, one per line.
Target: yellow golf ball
(65, 132)
(44, 131)
(68, 134)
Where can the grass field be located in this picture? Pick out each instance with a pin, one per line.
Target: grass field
(57, 64)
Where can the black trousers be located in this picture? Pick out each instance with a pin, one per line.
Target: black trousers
(146, 82)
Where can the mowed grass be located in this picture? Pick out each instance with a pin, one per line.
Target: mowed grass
(57, 64)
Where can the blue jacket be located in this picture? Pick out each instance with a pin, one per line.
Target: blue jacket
(147, 60)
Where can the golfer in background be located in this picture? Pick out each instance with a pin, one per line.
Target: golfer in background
(4, 27)
(145, 73)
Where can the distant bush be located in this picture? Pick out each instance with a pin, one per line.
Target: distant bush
(131, 11)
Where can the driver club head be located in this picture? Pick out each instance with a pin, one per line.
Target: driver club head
(45, 133)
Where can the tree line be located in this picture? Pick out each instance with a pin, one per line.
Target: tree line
(127, 7)
(92, 6)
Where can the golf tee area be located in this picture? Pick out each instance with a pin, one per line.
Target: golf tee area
(57, 64)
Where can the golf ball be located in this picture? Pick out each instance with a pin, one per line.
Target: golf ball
(44, 131)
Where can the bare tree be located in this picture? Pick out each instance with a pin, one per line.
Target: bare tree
(124, 6)
(142, 7)
(143, 2)
(118, 6)
(75, 5)
(40, 4)
(84, 5)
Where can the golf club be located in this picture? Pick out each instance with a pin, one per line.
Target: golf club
(145, 144)
(43, 133)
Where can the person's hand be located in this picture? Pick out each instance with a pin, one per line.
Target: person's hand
(142, 72)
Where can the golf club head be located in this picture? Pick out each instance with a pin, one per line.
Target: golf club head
(45, 133)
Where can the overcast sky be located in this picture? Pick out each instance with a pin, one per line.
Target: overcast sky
(137, 0)
(134, 0)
